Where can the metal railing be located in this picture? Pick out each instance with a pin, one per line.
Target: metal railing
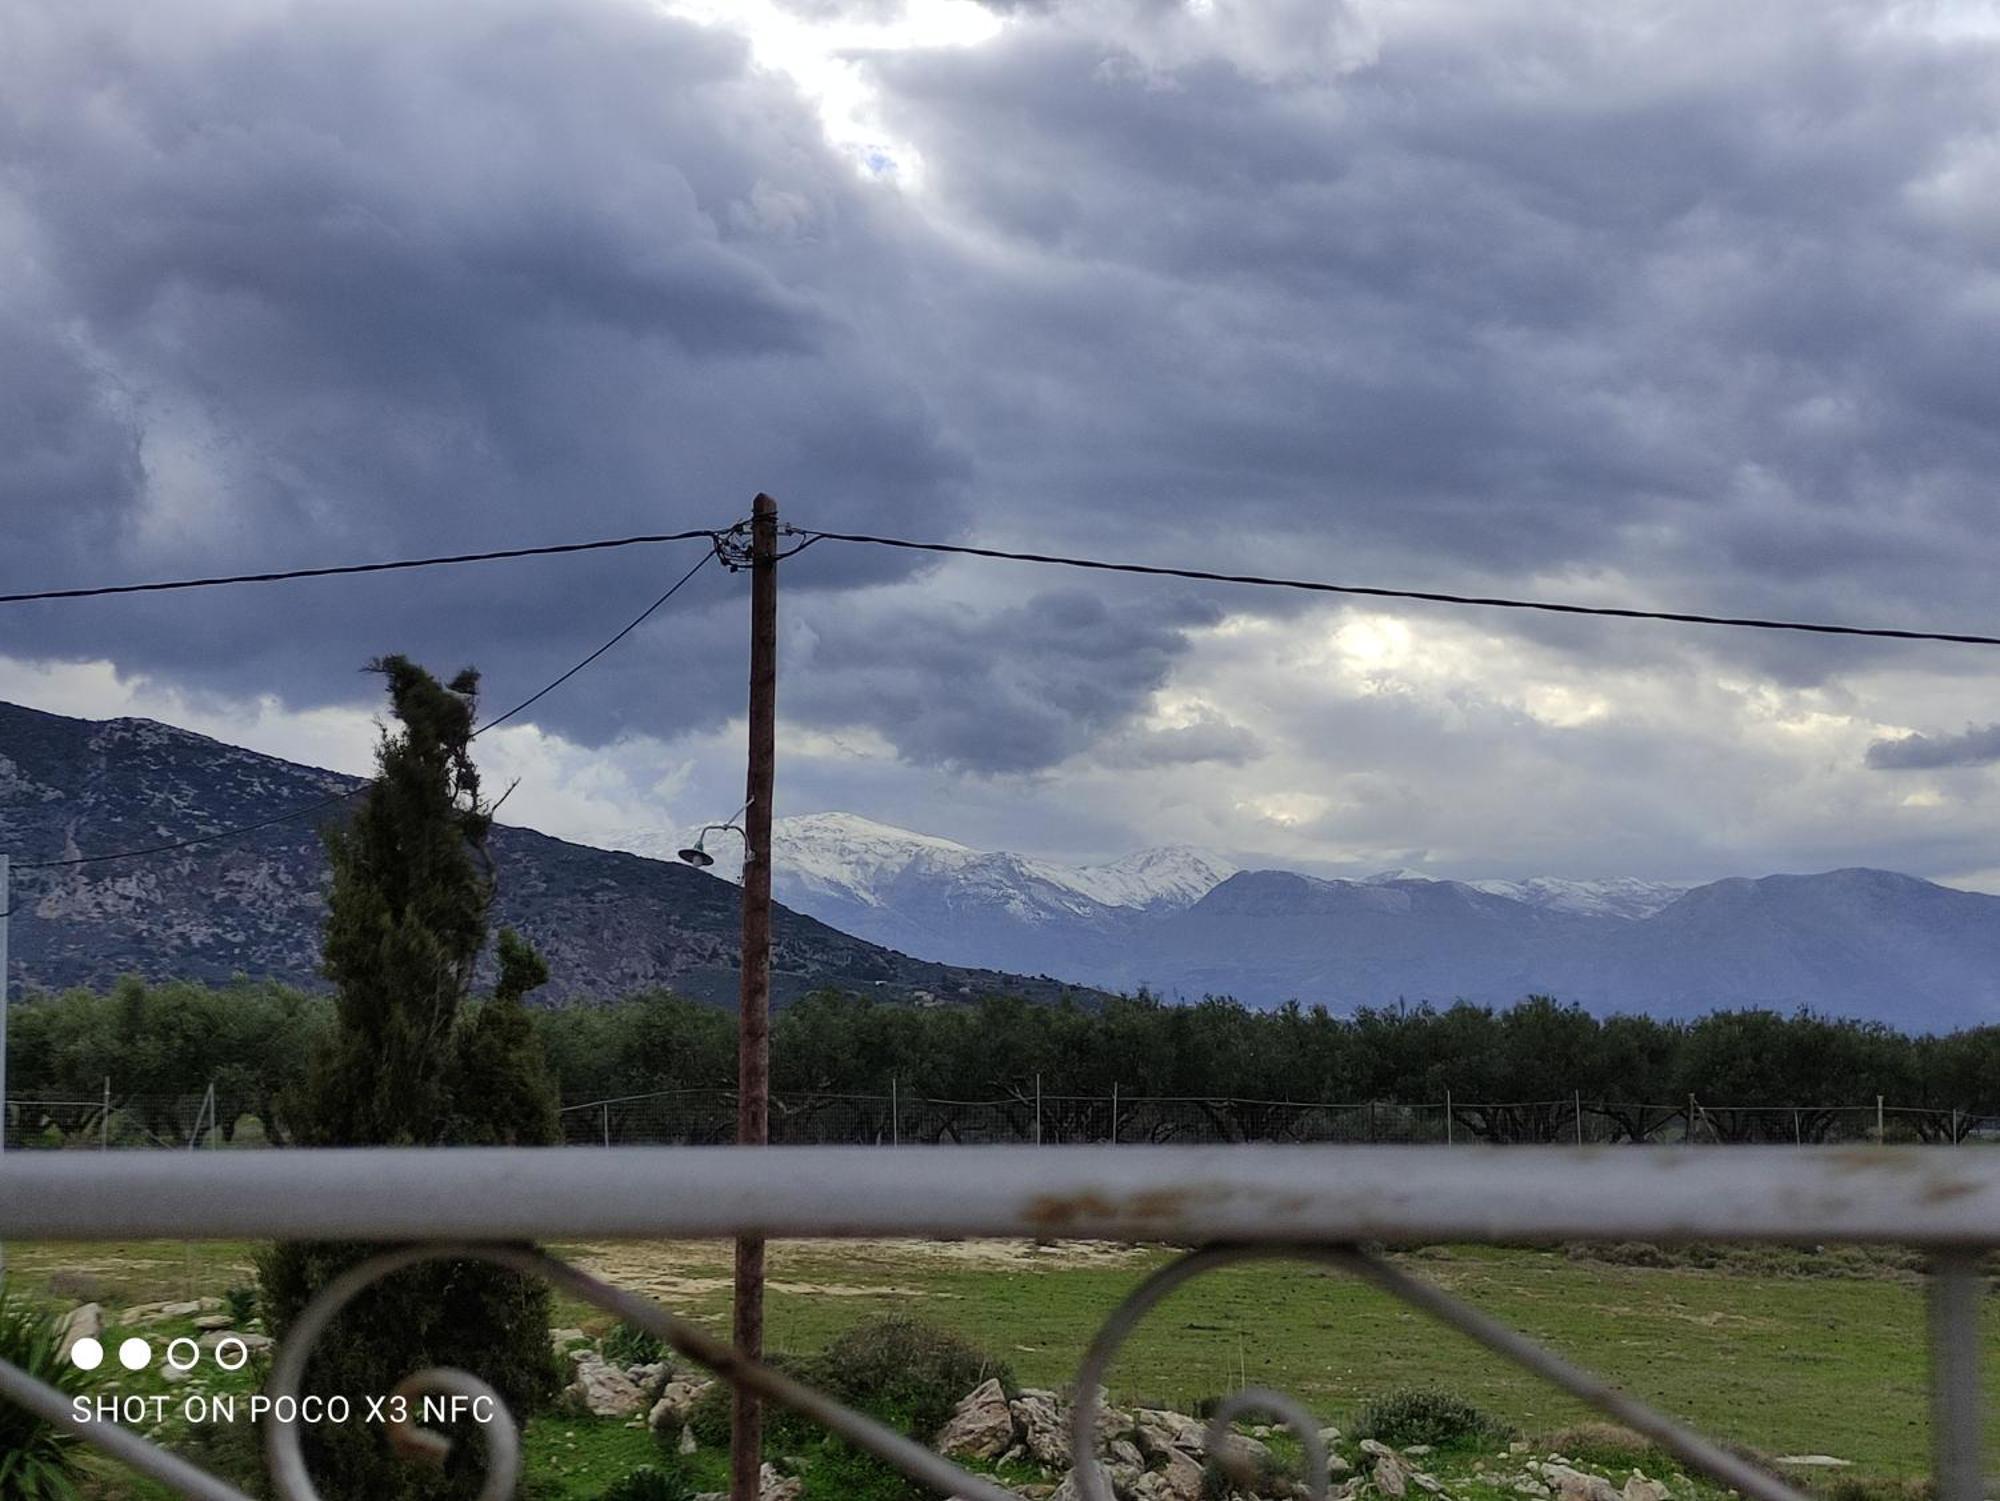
(707, 1117)
(1324, 1204)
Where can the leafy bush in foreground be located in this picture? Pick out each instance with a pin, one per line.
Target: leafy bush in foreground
(1426, 1416)
(905, 1370)
(37, 1460)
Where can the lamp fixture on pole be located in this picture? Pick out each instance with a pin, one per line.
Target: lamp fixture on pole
(697, 853)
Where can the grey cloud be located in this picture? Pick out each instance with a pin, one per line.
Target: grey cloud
(350, 281)
(1501, 297)
(1424, 318)
(1978, 746)
(1207, 737)
(1006, 690)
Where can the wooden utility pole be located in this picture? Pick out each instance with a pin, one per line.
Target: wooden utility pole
(6, 910)
(753, 1049)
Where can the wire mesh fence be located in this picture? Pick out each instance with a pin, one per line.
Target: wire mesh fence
(707, 1117)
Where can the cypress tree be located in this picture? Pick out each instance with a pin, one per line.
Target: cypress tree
(412, 1062)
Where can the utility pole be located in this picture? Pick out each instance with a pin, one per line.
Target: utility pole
(6, 908)
(753, 1048)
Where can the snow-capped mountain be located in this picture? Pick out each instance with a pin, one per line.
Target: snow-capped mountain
(1185, 923)
(1612, 896)
(934, 896)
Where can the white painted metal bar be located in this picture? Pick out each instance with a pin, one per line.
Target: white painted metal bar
(1263, 1194)
(1956, 1287)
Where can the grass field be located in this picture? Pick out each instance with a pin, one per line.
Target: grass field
(1785, 1352)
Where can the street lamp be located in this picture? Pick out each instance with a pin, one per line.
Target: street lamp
(697, 853)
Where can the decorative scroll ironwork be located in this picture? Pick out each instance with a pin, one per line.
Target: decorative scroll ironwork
(1954, 1335)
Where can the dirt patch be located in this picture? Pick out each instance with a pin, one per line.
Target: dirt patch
(690, 1270)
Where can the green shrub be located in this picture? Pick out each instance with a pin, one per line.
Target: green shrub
(242, 1304)
(905, 1371)
(1425, 1416)
(840, 1469)
(708, 1419)
(37, 1460)
(629, 1345)
(649, 1484)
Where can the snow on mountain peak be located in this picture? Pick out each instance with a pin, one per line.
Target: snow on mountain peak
(1174, 874)
(1612, 896)
(856, 858)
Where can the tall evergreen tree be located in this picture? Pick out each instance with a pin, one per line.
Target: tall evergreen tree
(411, 1063)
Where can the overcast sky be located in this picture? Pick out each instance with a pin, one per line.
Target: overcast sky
(1692, 305)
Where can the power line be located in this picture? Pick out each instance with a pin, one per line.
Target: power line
(1375, 592)
(222, 835)
(637, 621)
(101, 590)
(182, 844)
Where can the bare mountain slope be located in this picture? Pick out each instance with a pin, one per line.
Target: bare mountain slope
(608, 922)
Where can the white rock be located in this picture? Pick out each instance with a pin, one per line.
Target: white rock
(687, 1444)
(649, 1377)
(1044, 1428)
(1158, 1431)
(981, 1426)
(85, 1321)
(1639, 1488)
(773, 1487)
(1573, 1485)
(677, 1399)
(1389, 1475)
(1180, 1480)
(603, 1389)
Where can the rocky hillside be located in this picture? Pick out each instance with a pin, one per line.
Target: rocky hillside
(608, 922)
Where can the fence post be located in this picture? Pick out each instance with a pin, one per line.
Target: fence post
(1881, 1130)
(1447, 1117)
(1954, 1125)
(1798, 1137)
(1371, 1120)
(895, 1114)
(1038, 1109)
(1579, 1117)
(1114, 1112)
(1690, 1125)
(606, 1109)
(104, 1121)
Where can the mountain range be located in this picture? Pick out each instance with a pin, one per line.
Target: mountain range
(870, 907)
(1184, 923)
(608, 922)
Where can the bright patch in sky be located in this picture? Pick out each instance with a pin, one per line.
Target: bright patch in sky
(816, 54)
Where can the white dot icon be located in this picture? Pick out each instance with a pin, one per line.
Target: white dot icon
(86, 1354)
(135, 1354)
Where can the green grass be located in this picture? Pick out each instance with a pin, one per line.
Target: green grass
(1782, 1353)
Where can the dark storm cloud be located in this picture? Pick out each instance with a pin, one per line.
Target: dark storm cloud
(1015, 689)
(1978, 746)
(1491, 296)
(1527, 291)
(340, 281)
